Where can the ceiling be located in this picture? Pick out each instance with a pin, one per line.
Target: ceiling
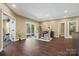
(45, 11)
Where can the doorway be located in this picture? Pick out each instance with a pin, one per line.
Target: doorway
(62, 30)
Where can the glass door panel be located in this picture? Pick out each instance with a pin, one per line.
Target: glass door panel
(30, 29)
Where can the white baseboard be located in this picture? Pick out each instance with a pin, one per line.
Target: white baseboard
(23, 38)
(56, 36)
(15, 40)
(64, 37)
(18, 39)
(68, 37)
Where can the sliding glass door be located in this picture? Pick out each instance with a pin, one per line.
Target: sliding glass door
(29, 29)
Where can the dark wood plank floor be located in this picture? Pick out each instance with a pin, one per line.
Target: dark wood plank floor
(31, 47)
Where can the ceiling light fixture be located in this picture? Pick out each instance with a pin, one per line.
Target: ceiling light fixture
(65, 11)
(65, 16)
(47, 15)
(14, 5)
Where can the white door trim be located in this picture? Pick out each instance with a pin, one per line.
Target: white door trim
(76, 27)
(1, 47)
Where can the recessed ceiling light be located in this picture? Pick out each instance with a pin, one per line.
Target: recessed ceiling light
(47, 15)
(65, 16)
(65, 11)
(14, 5)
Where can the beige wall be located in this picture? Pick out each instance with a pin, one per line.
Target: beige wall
(20, 21)
(20, 25)
(52, 24)
(55, 23)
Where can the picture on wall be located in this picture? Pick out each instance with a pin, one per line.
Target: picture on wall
(72, 27)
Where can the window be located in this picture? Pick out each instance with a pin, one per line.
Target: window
(29, 29)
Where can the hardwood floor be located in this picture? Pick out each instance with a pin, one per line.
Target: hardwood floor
(31, 47)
